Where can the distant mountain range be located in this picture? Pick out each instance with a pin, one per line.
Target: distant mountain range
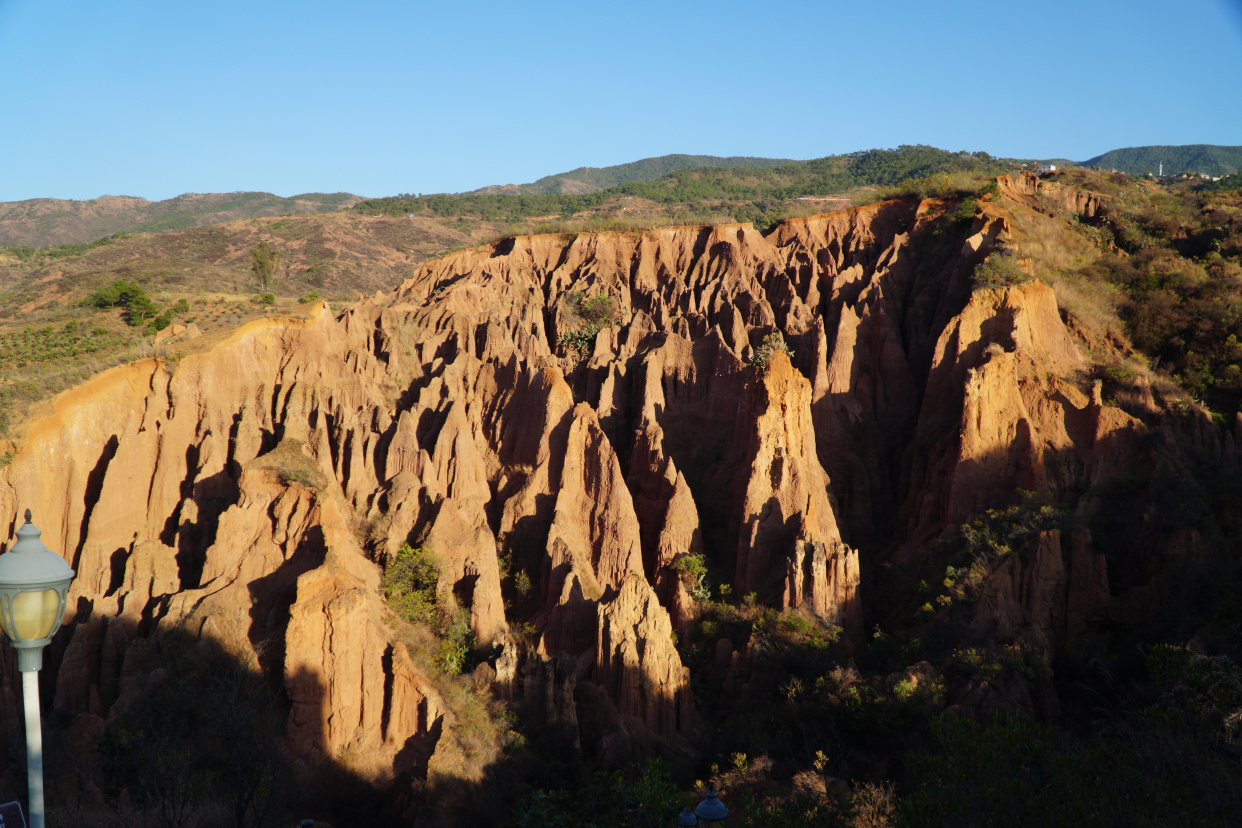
(592, 179)
(46, 222)
(1204, 158)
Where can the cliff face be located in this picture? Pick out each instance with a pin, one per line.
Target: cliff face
(250, 490)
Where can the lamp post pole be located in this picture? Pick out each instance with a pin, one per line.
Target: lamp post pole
(33, 583)
(34, 748)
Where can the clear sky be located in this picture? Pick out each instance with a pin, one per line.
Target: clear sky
(158, 97)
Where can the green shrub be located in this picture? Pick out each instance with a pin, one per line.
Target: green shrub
(795, 623)
(584, 319)
(599, 310)
(410, 583)
(691, 565)
(1000, 269)
(1196, 691)
(999, 531)
(411, 587)
(940, 185)
(964, 215)
(771, 343)
(138, 306)
(160, 322)
(694, 568)
(456, 641)
(643, 795)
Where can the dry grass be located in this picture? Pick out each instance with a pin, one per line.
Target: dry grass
(473, 736)
(1059, 250)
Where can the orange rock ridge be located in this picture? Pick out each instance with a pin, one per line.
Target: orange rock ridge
(252, 491)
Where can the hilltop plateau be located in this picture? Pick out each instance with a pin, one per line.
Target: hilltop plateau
(922, 512)
(47, 222)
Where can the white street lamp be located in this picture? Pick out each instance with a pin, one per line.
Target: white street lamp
(33, 583)
(711, 810)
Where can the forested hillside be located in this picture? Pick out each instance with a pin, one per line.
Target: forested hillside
(1204, 158)
(742, 193)
(590, 179)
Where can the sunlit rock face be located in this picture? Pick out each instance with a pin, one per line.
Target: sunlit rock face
(251, 489)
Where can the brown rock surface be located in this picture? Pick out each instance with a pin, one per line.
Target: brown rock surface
(1045, 594)
(637, 663)
(789, 549)
(252, 491)
(1026, 186)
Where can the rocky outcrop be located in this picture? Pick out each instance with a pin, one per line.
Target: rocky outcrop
(252, 489)
(1044, 593)
(1001, 412)
(789, 549)
(445, 415)
(1029, 188)
(637, 662)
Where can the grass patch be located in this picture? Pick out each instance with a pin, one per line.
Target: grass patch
(583, 318)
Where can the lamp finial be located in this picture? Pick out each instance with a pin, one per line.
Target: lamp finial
(28, 516)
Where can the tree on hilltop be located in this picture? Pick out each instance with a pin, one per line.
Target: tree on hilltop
(264, 260)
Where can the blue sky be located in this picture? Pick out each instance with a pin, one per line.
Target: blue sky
(153, 99)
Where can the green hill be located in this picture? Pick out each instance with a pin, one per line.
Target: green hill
(48, 222)
(746, 192)
(1204, 158)
(591, 179)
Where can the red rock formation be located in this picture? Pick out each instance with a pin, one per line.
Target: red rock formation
(637, 663)
(1027, 186)
(251, 490)
(789, 549)
(998, 381)
(1044, 594)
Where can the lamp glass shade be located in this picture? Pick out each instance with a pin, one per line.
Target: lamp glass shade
(711, 809)
(34, 615)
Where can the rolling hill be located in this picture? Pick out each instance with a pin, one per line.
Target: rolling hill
(749, 193)
(1204, 158)
(592, 179)
(46, 222)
